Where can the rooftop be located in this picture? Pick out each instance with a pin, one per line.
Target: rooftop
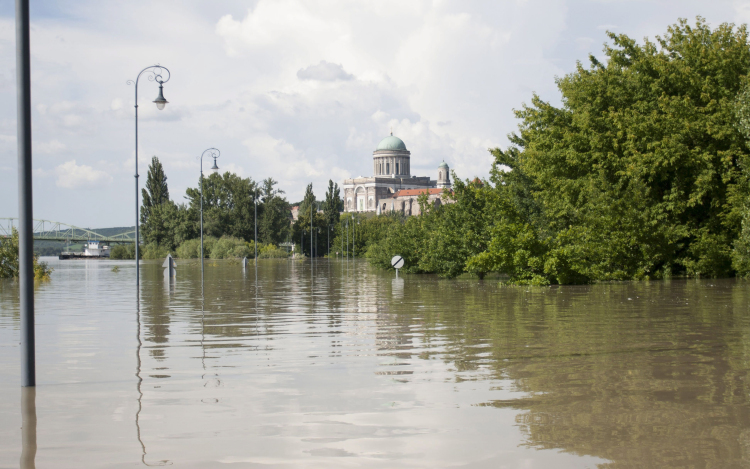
(413, 192)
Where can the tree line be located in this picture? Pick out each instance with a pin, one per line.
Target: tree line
(229, 211)
(641, 172)
(228, 217)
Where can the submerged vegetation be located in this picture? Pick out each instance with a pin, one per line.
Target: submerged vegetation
(9, 260)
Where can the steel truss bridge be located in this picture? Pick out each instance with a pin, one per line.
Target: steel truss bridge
(47, 230)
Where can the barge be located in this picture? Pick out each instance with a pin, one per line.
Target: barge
(90, 251)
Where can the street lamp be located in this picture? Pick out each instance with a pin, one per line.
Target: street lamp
(213, 153)
(154, 74)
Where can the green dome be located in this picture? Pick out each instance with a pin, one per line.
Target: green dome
(391, 143)
(443, 165)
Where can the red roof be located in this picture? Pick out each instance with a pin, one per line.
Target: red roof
(413, 192)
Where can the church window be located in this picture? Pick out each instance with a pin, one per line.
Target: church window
(397, 168)
(440, 175)
(387, 168)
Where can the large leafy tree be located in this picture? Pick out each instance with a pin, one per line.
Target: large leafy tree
(638, 174)
(273, 218)
(228, 201)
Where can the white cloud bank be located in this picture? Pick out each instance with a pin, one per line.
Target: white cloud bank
(72, 176)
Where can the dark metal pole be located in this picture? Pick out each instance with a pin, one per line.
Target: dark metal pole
(311, 227)
(25, 205)
(137, 217)
(255, 240)
(201, 220)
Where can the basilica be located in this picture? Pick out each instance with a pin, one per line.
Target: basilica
(392, 187)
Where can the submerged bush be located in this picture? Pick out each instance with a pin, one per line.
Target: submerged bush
(122, 251)
(271, 251)
(9, 262)
(191, 249)
(229, 247)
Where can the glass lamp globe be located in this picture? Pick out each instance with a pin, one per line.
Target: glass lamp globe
(160, 101)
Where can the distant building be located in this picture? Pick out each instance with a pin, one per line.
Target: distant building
(392, 187)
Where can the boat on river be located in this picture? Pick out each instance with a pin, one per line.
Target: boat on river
(92, 250)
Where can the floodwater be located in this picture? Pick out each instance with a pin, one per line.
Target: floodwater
(342, 365)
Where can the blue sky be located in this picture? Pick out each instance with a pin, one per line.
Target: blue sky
(296, 90)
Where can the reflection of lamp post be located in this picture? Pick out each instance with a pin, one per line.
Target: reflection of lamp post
(155, 75)
(214, 153)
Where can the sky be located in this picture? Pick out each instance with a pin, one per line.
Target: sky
(299, 91)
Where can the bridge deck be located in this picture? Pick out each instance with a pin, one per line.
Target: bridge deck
(47, 230)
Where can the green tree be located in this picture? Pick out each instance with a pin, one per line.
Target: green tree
(307, 201)
(638, 174)
(273, 219)
(156, 208)
(228, 205)
(333, 205)
(9, 259)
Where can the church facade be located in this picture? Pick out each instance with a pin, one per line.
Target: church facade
(392, 187)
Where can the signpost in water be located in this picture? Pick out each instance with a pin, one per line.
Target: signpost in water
(397, 262)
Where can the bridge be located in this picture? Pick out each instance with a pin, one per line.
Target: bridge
(47, 230)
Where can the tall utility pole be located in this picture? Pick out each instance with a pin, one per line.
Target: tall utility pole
(25, 206)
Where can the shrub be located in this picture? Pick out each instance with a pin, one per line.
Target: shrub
(191, 249)
(122, 251)
(154, 251)
(271, 251)
(9, 262)
(230, 247)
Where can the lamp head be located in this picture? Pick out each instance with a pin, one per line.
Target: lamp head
(160, 101)
(214, 167)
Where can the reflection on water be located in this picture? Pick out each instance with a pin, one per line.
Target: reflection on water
(333, 364)
(28, 428)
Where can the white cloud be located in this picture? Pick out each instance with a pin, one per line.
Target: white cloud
(48, 148)
(72, 176)
(324, 71)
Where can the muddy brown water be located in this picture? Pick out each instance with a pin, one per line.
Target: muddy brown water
(338, 364)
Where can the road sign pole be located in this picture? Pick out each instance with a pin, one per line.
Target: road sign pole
(397, 262)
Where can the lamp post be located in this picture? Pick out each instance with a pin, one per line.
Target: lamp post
(213, 153)
(155, 74)
(255, 239)
(347, 239)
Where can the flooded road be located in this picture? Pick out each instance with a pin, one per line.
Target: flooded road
(342, 365)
